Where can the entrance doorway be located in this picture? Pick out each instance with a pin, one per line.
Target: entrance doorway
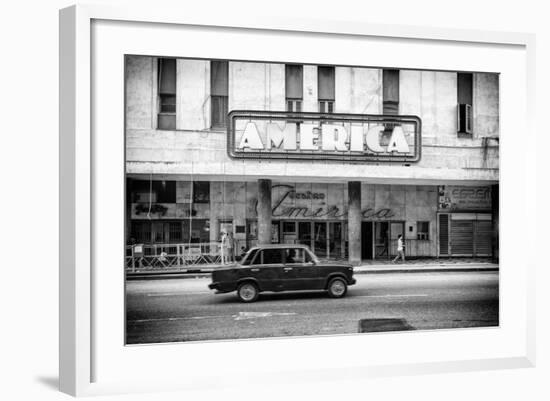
(385, 238)
(366, 240)
(381, 237)
(325, 238)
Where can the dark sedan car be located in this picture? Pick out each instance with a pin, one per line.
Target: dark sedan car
(282, 268)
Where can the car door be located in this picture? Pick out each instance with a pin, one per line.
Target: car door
(267, 269)
(301, 272)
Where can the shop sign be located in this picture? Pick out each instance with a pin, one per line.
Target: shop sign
(322, 136)
(319, 210)
(464, 198)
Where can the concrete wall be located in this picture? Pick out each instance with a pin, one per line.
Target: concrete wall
(140, 92)
(432, 96)
(486, 105)
(193, 94)
(256, 86)
(358, 90)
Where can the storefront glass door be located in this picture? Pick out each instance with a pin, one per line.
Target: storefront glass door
(335, 240)
(304, 233)
(320, 239)
(325, 239)
(381, 239)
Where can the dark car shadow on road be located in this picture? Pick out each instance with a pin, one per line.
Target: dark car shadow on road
(275, 296)
(381, 325)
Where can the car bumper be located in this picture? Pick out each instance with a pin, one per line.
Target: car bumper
(352, 281)
(221, 287)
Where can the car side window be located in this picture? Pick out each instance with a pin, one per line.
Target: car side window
(272, 256)
(295, 255)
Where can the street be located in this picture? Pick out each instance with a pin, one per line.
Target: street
(183, 309)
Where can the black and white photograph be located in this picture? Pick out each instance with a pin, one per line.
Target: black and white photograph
(267, 199)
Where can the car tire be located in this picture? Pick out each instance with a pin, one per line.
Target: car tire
(337, 287)
(248, 292)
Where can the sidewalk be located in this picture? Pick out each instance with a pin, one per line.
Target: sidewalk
(367, 267)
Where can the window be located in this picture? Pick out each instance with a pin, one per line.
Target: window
(201, 191)
(195, 230)
(271, 256)
(219, 93)
(156, 232)
(289, 227)
(175, 232)
(465, 102)
(325, 85)
(390, 97)
(167, 93)
(252, 229)
(297, 255)
(153, 191)
(423, 230)
(141, 232)
(390, 84)
(294, 87)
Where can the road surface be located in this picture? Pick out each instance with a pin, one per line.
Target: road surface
(184, 309)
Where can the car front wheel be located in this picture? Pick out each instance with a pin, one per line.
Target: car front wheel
(248, 292)
(337, 288)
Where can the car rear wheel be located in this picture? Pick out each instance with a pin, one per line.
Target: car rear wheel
(337, 288)
(248, 292)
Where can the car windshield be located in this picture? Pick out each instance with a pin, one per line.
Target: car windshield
(249, 256)
(312, 255)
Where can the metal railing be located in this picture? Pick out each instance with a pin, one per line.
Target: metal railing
(166, 256)
(162, 256)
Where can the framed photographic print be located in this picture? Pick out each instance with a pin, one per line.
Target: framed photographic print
(336, 199)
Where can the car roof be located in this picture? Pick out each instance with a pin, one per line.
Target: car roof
(282, 246)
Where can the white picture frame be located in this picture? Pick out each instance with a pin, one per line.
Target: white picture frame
(86, 365)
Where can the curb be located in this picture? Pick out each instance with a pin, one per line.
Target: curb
(372, 270)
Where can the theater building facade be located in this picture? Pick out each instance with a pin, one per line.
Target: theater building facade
(342, 159)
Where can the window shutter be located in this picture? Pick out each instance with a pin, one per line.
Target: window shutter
(483, 238)
(390, 92)
(462, 237)
(325, 82)
(294, 81)
(465, 88)
(443, 234)
(219, 78)
(167, 76)
(390, 82)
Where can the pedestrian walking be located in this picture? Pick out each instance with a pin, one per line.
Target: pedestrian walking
(243, 252)
(400, 249)
(230, 247)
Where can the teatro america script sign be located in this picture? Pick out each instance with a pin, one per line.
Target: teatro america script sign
(322, 136)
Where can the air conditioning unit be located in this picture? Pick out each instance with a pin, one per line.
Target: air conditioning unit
(465, 119)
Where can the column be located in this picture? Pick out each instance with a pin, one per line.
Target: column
(494, 221)
(264, 212)
(354, 222)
